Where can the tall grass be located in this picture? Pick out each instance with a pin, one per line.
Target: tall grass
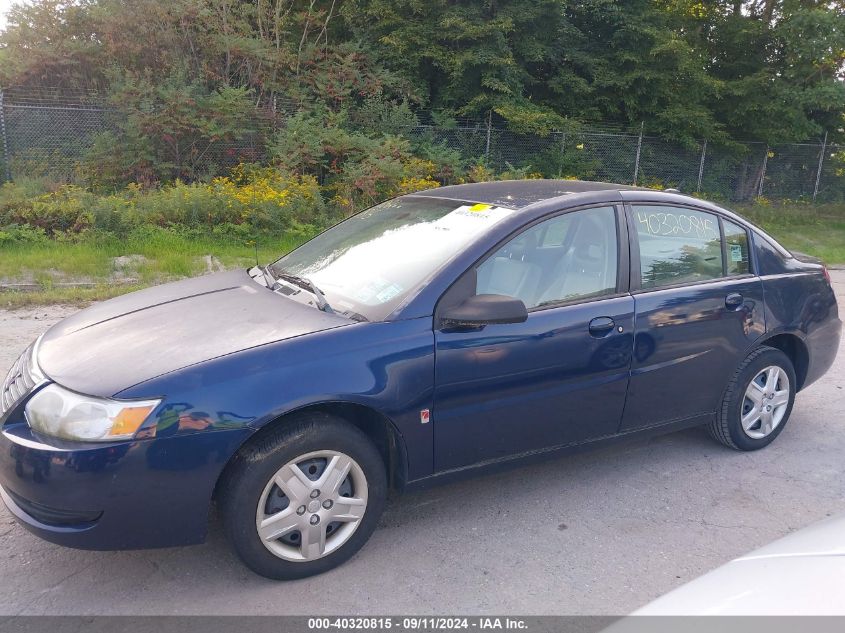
(817, 230)
(166, 255)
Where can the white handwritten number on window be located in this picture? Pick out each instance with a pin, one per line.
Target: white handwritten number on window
(662, 223)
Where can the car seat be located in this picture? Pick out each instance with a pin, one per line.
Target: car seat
(511, 272)
(585, 268)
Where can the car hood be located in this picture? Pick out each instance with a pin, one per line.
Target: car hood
(116, 344)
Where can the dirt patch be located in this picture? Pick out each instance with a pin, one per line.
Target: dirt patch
(19, 327)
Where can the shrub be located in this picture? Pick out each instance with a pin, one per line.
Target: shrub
(22, 234)
(269, 200)
(448, 166)
(356, 165)
(166, 130)
(251, 200)
(259, 198)
(66, 209)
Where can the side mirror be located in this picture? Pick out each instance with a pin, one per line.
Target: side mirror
(480, 310)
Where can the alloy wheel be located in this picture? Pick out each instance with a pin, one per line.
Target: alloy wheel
(312, 506)
(765, 403)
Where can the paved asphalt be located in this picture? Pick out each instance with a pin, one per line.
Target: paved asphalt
(603, 532)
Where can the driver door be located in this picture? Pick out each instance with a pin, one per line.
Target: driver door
(560, 377)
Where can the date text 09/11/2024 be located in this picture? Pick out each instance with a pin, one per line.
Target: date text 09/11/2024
(417, 623)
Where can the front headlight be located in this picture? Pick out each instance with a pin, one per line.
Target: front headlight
(57, 412)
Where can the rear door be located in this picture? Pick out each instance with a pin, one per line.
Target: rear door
(699, 307)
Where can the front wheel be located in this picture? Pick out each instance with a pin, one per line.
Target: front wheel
(757, 402)
(305, 498)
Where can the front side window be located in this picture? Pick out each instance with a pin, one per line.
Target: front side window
(566, 258)
(371, 262)
(677, 245)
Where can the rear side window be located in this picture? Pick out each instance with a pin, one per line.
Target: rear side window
(736, 248)
(677, 245)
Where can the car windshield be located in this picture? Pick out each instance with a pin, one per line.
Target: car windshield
(371, 262)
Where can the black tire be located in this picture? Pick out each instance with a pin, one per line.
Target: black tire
(727, 426)
(254, 466)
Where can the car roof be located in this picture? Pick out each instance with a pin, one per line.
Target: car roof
(516, 194)
(534, 193)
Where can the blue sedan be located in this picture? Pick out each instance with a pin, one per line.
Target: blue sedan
(431, 337)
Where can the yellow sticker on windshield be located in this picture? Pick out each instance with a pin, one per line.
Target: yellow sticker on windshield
(480, 207)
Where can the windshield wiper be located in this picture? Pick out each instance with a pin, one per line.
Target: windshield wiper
(307, 284)
(355, 316)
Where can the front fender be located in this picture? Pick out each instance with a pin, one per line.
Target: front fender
(387, 367)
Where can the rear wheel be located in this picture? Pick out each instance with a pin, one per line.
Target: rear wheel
(757, 402)
(305, 498)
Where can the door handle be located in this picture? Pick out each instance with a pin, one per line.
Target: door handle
(601, 326)
(733, 301)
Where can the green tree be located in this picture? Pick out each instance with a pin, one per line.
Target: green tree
(187, 75)
(468, 58)
(169, 130)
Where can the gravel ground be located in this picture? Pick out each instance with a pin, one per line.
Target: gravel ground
(599, 533)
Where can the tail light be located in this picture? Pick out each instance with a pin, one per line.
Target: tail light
(827, 275)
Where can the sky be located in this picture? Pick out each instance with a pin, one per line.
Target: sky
(4, 7)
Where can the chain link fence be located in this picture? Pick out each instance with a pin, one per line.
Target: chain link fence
(46, 133)
(38, 135)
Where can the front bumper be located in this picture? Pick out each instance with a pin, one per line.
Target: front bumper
(124, 495)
